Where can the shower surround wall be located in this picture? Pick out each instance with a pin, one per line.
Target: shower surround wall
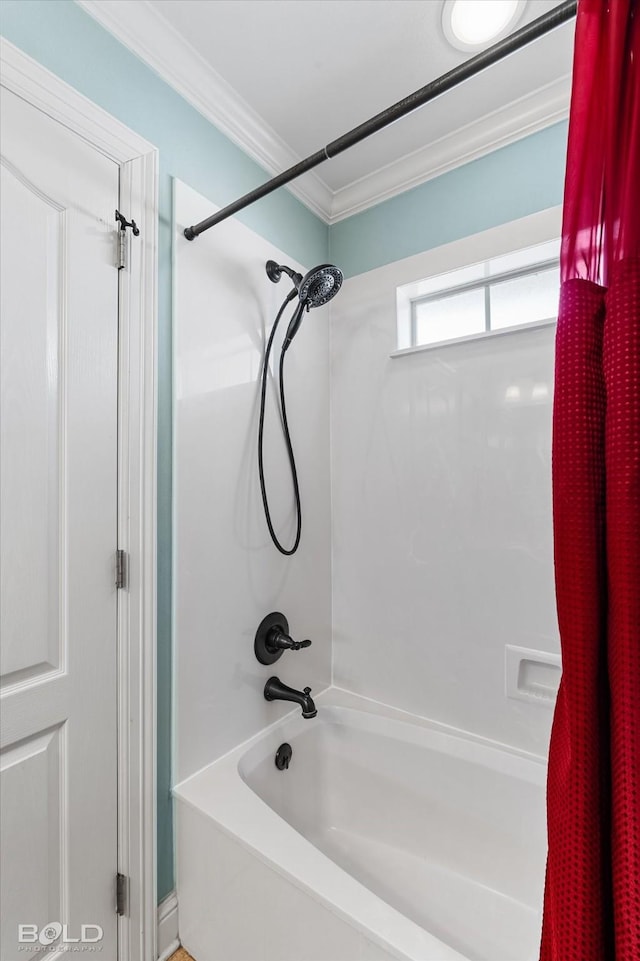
(227, 573)
(441, 495)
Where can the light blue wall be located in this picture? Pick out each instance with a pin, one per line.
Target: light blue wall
(517, 180)
(67, 41)
(509, 183)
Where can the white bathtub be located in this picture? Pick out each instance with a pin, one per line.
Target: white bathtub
(388, 837)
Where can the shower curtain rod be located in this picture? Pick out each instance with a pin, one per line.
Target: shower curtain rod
(515, 41)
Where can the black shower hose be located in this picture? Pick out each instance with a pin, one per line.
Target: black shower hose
(287, 436)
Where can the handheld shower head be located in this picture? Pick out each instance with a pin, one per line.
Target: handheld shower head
(320, 285)
(316, 288)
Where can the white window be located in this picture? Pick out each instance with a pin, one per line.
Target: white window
(510, 292)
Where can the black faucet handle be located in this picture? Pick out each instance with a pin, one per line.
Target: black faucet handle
(285, 642)
(273, 639)
(307, 691)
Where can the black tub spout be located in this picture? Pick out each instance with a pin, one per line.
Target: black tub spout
(275, 690)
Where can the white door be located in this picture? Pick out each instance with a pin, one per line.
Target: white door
(58, 472)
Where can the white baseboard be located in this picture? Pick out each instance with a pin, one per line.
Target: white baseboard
(168, 927)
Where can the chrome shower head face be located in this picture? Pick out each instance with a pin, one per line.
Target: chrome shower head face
(320, 285)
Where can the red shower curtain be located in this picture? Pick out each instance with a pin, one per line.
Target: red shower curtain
(592, 894)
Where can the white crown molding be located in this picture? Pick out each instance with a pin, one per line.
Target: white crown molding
(516, 120)
(144, 31)
(155, 41)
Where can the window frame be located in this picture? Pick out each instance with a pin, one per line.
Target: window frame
(483, 283)
(539, 229)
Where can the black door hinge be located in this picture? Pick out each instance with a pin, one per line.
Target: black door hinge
(122, 894)
(122, 569)
(122, 238)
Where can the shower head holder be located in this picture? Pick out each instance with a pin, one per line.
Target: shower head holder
(275, 272)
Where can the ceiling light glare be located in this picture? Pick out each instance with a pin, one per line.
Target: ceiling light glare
(473, 24)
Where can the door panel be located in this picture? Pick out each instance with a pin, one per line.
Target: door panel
(58, 503)
(31, 779)
(34, 229)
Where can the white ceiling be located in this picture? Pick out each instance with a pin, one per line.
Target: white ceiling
(285, 77)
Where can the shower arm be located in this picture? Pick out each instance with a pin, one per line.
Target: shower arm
(510, 44)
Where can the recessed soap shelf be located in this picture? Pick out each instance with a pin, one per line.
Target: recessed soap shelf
(532, 675)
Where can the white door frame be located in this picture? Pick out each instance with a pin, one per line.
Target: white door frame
(137, 391)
